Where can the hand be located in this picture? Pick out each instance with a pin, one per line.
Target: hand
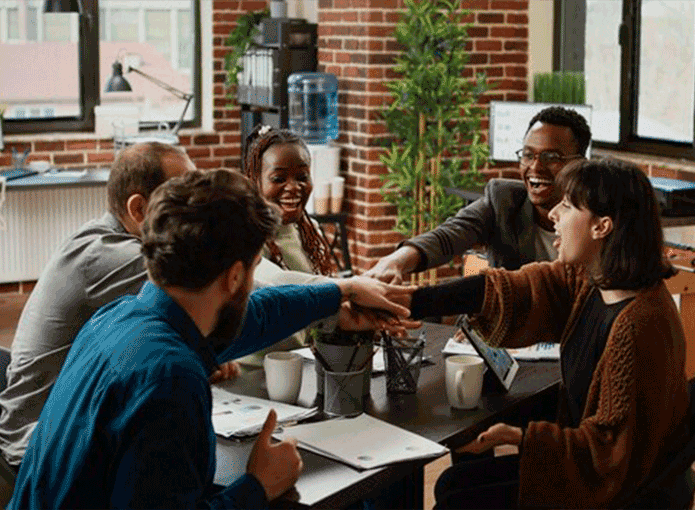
(275, 466)
(498, 434)
(393, 268)
(371, 293)
(227, 371)
(353, 317)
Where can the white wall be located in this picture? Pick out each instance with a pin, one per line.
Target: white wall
(307, 9)
(540, 39)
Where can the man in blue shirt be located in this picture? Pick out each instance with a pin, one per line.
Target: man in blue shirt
(128, 422)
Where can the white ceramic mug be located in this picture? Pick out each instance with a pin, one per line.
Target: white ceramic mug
(464, 381)
(283, 375)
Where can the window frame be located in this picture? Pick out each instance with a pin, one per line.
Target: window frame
(569, 34)
(89, 79)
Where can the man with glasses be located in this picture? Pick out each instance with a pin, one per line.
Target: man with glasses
(511, 218)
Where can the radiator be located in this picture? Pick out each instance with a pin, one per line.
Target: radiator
(37, 220)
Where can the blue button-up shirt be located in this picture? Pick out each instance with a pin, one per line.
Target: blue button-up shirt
(128, 422)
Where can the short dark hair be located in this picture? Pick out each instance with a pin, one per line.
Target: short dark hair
(632, 256)
(201, 223)
(137, 169)
(559, 116)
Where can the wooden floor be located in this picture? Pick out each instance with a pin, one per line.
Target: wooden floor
(10, 308)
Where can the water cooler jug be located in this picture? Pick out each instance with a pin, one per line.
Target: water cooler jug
(313, 106)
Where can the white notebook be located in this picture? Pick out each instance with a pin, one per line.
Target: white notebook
(536, 352)
(240, 416)
(362, 442)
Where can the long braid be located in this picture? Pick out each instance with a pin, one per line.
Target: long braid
(314, 243)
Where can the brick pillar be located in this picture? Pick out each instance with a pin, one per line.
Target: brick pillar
(356, 44)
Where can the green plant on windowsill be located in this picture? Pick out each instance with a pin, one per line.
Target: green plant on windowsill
(434, 119)
(562, 87)
(240, 39)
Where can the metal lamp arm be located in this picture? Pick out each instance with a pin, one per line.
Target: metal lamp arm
(178, 93)
(176, 128)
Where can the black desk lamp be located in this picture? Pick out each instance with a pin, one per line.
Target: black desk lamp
(117, 83)
(63, 6)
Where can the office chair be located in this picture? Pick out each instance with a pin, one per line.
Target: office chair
(7, 474)
(677, 481)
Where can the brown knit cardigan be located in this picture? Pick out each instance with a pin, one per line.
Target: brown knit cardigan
(637, 402)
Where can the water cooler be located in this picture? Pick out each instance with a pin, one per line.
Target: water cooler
(313, 115)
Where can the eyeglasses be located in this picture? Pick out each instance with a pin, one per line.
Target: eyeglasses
(545, 158)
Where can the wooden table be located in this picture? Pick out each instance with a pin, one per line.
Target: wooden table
(329, 484)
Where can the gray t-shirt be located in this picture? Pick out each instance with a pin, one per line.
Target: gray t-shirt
(97, 264)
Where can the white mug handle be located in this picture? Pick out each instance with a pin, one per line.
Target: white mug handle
(460, 374)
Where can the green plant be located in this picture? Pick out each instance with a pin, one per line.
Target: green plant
(434, 117)
(240, 40)
(559, 87)
(341, 337)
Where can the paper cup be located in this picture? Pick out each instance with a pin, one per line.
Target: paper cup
(337, 190)
(322, 197)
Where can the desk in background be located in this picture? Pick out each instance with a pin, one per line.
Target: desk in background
(329, 484)
(680, 245)
(41, 211)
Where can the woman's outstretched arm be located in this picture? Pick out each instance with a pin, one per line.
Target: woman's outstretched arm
(464, 295)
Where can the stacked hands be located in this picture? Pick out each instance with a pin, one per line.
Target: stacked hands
(367, 304)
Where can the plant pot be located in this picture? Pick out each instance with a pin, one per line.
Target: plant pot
(344, 351)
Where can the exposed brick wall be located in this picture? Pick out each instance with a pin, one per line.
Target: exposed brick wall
(356, 44)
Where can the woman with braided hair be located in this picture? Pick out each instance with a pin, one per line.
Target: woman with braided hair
(278, 163)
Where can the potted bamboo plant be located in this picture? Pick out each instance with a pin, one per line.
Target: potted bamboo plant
(563, 87)
(434, 119)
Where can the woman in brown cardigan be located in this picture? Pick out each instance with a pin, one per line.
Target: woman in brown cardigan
(623, 401)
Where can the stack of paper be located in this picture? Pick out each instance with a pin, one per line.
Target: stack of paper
(240, 416)
(537, 352)
(363, 442)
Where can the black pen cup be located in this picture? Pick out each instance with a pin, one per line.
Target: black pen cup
(343, 358)
(402, 364)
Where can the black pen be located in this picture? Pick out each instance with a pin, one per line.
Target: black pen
(368, 360)
(352, 358)
(320, 358)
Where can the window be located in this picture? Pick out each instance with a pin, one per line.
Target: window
(638, 57)
(161, 39)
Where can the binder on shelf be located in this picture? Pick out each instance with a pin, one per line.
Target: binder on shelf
(283, 46)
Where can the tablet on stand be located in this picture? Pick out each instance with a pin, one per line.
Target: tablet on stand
(501, 364)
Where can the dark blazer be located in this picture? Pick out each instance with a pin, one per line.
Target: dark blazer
(501, 220)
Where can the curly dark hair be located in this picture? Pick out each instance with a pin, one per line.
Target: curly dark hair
(198, 225)
(137, 169)
(560, 116)
(314, 243)
(632, 256)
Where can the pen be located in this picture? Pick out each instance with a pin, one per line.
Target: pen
(352, 358)
(368, 360)
(320, 358)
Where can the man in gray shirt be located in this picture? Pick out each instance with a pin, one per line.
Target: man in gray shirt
(511, 219)
(94, 266)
